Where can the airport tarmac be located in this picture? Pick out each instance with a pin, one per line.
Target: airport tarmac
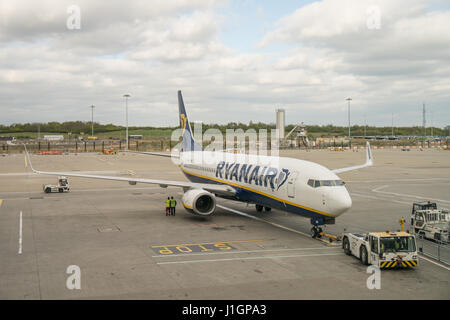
(126, 248)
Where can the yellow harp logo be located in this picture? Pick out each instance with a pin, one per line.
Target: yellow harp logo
(183, 123)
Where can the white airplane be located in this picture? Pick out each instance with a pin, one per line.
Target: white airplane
(287, 184)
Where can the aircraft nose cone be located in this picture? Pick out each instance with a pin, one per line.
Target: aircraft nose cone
(341, 202)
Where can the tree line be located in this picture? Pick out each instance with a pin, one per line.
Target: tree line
(79, 127)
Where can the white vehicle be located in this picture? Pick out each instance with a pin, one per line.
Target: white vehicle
(386, 250)
(430, 222)
(301, 187)
(54, 137)
(62, 186)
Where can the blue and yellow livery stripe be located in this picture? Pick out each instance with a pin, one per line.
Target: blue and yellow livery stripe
(186, 206)
(258, 192)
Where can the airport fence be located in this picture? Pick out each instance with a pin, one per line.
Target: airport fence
(47, 147)
(437, 250)
(161, 144)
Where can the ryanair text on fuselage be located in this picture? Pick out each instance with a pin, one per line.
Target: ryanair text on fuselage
(252, 174)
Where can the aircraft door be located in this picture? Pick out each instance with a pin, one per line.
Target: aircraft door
(419, 220)
(374, 250)
(291, 185)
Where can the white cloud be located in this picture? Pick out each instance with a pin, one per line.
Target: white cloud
(48, 72)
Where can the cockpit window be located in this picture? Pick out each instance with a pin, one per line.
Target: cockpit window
(325, 183)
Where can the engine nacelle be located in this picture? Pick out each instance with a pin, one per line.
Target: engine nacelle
(199, 202)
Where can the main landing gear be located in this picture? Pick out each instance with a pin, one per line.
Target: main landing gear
(260, 208)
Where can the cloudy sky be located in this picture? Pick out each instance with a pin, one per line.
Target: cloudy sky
(233, 60)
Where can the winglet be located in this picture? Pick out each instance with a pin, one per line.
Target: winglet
(369, 161)
(28, 159)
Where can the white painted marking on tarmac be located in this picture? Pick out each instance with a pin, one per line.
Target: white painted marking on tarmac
(240, 251)
(378, 198)
(397, 180)
(251, 258)
(377, 190)
(20, 233)
(438, 264)
(364, 196)
(263, 220)
(78, 191)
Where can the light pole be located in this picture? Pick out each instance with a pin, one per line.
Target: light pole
(349, 99)
(92, 119)
(126, 96)
(365, 127)
(392, 124)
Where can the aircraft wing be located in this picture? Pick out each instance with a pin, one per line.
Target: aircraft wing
(369, 162)
(214, 188)
(160, 154)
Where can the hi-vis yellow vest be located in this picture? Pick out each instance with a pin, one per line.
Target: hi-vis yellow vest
(167, 203)
(173, 203)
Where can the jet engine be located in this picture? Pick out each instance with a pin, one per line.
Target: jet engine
(199, 201)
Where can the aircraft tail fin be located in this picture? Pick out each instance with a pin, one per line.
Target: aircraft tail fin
(188, 143)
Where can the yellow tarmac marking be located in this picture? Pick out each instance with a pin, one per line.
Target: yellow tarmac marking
(216, 242)
(26, 163)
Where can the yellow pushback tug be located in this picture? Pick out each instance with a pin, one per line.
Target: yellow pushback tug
(386, 250)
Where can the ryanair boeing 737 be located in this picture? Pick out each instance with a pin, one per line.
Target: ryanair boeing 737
(297, 186)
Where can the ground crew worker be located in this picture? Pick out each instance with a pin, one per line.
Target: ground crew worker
(168, 206)
(173, 204)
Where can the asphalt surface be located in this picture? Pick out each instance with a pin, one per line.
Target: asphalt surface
(126, 248)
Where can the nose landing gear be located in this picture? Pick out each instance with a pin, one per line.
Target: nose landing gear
(319, 234)
(316, 232)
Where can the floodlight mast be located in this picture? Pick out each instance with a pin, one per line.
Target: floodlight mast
(126, 96)
(349, 99)
(92, 120)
